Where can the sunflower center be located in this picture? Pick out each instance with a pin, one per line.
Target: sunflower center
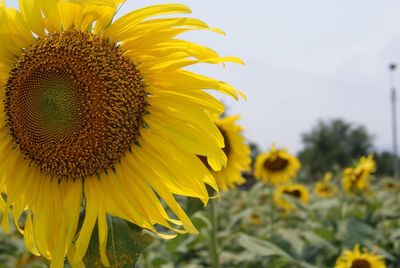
(74, 104)
(53, 103)
(55, 107)
(360, 264)
(390, 185)
(325, 188)
(276, 164)
(227, 148)
(294, 193)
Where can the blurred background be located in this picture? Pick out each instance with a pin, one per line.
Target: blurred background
(305, 60)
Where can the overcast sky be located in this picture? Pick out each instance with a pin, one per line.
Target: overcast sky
(305, 60)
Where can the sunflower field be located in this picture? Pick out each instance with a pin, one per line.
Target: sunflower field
(254, 233)
(254, 228)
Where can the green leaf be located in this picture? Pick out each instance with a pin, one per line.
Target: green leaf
(126, 242)
(292, 236)
(235, 219)
(265, 248)
(324, 205)
(262, 247)
(316, 240)
(172, 244)
(354, 231)
(326, 233)
(395, 235)
(201, 221)
(380, 251)
(193, 205)
(277, 263)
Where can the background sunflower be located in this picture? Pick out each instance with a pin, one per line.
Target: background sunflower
(325, 188)
(357, 259)
(237, 153)
(276, 166)
(295, 191)
(356, 179)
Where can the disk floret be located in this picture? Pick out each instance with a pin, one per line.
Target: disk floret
(276, 164)
(74, 104)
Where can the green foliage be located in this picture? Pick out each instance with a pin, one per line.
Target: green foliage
(254, 233)
(126, 242)
(333, 144)
(14, 254)
(384, 162)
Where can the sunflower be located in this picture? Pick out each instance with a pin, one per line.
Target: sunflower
(236, 151)
(391, 185)
(325, 188)
(357, 259)
(255, 219)
(276, 166)
(356, 179)
(98, 111)
(297, 191)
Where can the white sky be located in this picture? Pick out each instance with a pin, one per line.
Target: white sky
(305, 60)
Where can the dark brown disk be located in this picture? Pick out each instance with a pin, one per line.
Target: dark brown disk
(277, 164)
(360, 264)
(294, 193)
(74, 104)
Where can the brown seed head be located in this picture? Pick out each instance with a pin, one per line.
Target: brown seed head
(74, 104)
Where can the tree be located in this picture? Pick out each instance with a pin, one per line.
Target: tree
(384, 162)
(332, 145)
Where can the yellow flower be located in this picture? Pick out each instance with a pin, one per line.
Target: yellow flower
(237, 153)
(358, 259)
(348, 179)
(297, 191)
(276, 166)
(99, 112)
(356, 179)
(327, 177)
(391, 186)
(325, 188)
(255, 219)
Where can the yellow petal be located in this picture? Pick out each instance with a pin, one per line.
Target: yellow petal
(28, 237)
(91, 210)
(119, 28)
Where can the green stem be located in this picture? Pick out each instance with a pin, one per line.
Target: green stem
(213, 236)
(272, 213)
(343, 202)
(146, 261)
